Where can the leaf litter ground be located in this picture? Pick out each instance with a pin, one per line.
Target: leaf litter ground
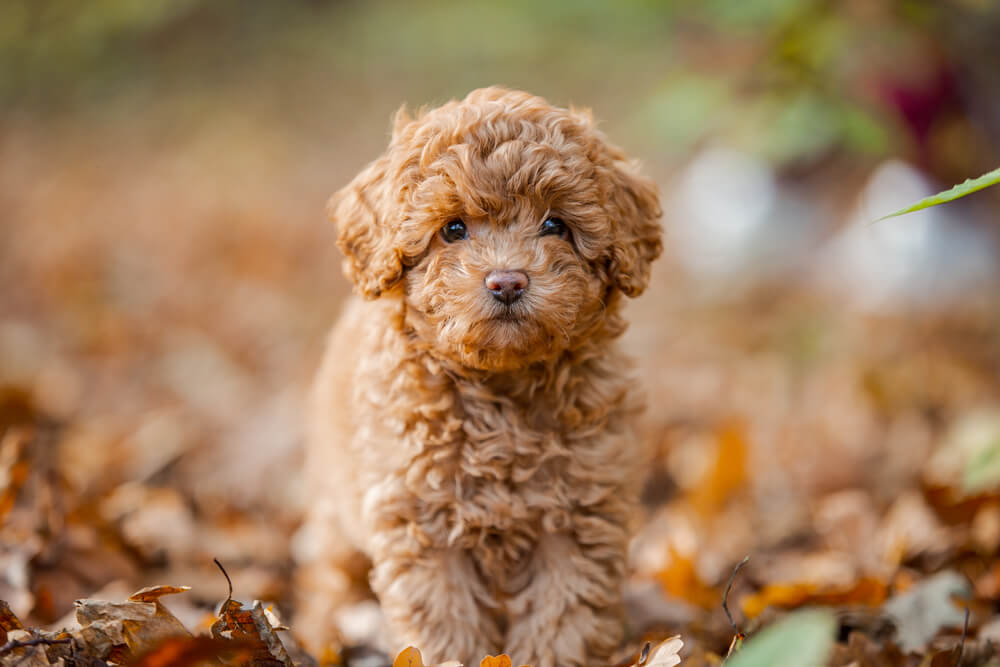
(153, 363)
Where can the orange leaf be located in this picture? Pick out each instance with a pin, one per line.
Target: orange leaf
(408, 657)
(728, 473)
(680, 579)
(153, 593)
(866, 591)
(502, 660)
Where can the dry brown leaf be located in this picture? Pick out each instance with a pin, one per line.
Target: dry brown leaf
(128, 628)
(195, 651)
(251, 625)
(8, 621)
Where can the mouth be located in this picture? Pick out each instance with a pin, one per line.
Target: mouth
(507, 315)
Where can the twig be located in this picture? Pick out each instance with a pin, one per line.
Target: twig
(37, 641)
(725, 597)
(961, 643)
(228, 581)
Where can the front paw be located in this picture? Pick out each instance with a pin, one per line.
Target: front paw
(565, 637)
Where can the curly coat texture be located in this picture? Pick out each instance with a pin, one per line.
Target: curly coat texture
(479, 453)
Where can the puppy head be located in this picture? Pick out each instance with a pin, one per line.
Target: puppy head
(508, 226)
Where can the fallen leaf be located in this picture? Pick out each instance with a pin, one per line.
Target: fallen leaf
(664, 654)
(236, 622)
(154, 593)
(195, 651)
(410, 657)
(921, 612)
(502, 660)
(8, 621)
(680, 580)
(128, 628)
(728, 472)
(861, 649)
(802, 639)
(866, 591)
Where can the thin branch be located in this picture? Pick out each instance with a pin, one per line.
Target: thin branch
(725, 597)
(37, 641)
(228, 581)
(961, 644)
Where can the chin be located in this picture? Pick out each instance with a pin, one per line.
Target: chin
(503, 343)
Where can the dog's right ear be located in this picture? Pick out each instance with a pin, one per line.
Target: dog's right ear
(364, 210)
(365, 235)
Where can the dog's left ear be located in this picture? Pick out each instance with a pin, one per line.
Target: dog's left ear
(635, 206)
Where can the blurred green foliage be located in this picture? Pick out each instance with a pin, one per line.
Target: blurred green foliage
(802, 639)
(795, 81)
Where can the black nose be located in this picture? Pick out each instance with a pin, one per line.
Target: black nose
(507, 286)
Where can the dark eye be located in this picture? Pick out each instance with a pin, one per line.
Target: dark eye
(454, 231)
(554, 226)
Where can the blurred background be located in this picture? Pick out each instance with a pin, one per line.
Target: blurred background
(824, 391)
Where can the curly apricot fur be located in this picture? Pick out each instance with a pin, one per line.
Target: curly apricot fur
(480, 454)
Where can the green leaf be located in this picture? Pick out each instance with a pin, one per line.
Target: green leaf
(982, 472)
(803, 639)
(967, 188)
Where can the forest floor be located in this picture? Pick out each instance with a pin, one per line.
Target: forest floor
(163, 309)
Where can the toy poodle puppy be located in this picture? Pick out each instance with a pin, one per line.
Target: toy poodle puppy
(470, 425)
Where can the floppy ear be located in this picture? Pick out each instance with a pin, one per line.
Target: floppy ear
(635, 205)
(361, 211)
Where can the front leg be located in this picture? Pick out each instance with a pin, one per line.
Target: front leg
(434, 599)
(571, 613)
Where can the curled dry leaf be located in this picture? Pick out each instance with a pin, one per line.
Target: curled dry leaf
(251, 625)
(8, 621)
(125, 629)
(664, 654)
